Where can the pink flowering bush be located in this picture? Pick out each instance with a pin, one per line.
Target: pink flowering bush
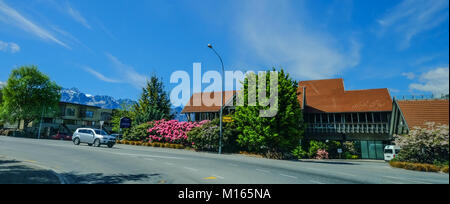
(321, 154)
(172, 131)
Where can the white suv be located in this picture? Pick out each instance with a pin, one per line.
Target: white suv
(94, 137)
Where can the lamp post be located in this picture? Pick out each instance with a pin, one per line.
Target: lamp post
(221, 98)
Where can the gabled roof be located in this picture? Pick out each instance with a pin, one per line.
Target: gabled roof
(330, 96)
(418, 112)
(197, 105)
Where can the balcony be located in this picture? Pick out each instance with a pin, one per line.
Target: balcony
(365, 128)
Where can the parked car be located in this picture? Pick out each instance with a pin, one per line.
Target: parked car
(62, 136)
(117, 136)
(94, 137)
(390, 152)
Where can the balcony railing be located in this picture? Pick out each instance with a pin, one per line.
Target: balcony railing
(373, 128)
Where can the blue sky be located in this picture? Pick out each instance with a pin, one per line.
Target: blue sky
(110, 47)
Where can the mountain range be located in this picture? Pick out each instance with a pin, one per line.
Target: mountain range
(74, 95)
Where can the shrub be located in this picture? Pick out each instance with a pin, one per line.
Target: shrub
(138, 133)
(206, 137)
(415, 166)
(445, 169)
(155, 144)
(172, 131)
(173, 146)
(166, 145)
(425, 145)
(300, 153)
(321, 154)
(314, 147)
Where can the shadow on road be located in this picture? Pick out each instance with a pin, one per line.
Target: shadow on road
(15, 172)
(99, 178)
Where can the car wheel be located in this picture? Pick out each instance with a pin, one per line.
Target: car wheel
(97, 143)
(89, 145)
(110, 145)
(76, 141)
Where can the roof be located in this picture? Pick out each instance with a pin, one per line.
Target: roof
(197, 105)
(419, 112)
(330, 96)
(77, 104)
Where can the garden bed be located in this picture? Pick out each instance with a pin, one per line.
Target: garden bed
(419, 167)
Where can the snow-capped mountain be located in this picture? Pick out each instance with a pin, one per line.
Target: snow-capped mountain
(74, 95)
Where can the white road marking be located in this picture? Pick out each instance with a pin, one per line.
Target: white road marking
(191, 169)
(288, 176)
(235, 165)
(264, 171)
(316, 182)
(149, 159)
(219, 177)
(168, 163)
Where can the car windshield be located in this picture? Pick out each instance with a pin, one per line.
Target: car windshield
(388, 151)
(100, 132)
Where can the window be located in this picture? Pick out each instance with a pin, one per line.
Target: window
(355, 117)
(89, 114)
(70, 112)
(105, 116)
(388, 151)
(338, 118)
(362, 117)
(377, 117)
(348, 118)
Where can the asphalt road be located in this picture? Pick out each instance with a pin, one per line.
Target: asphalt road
(136, 164)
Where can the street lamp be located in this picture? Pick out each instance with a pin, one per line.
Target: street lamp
(221, 99)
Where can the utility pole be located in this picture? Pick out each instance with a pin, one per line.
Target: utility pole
(40, 124)
(221, 99)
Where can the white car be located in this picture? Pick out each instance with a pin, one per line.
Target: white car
(390, 152)
(94, 137)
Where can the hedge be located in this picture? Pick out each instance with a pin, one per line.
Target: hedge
(418, 166)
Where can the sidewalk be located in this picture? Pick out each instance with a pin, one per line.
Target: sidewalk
(18, 172)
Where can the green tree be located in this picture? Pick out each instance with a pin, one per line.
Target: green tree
(124, 111)
(154, 103)
(29, 92)
(279, 134)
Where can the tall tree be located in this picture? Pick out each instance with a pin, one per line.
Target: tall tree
(27, 94)
(280, 133)
(154, 103)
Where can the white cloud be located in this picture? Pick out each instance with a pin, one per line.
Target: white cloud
(10, 16)
(9, 47)
(279, 36)
(76, 15)
(100, 76)
(435, 81)
(412, 17)
(129, 74)
(409, 75)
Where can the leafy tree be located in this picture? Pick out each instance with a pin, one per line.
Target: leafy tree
(124, 111)
(154, 103)
(280, 133)
(29, 92)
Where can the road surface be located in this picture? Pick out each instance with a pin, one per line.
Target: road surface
(137, 164)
